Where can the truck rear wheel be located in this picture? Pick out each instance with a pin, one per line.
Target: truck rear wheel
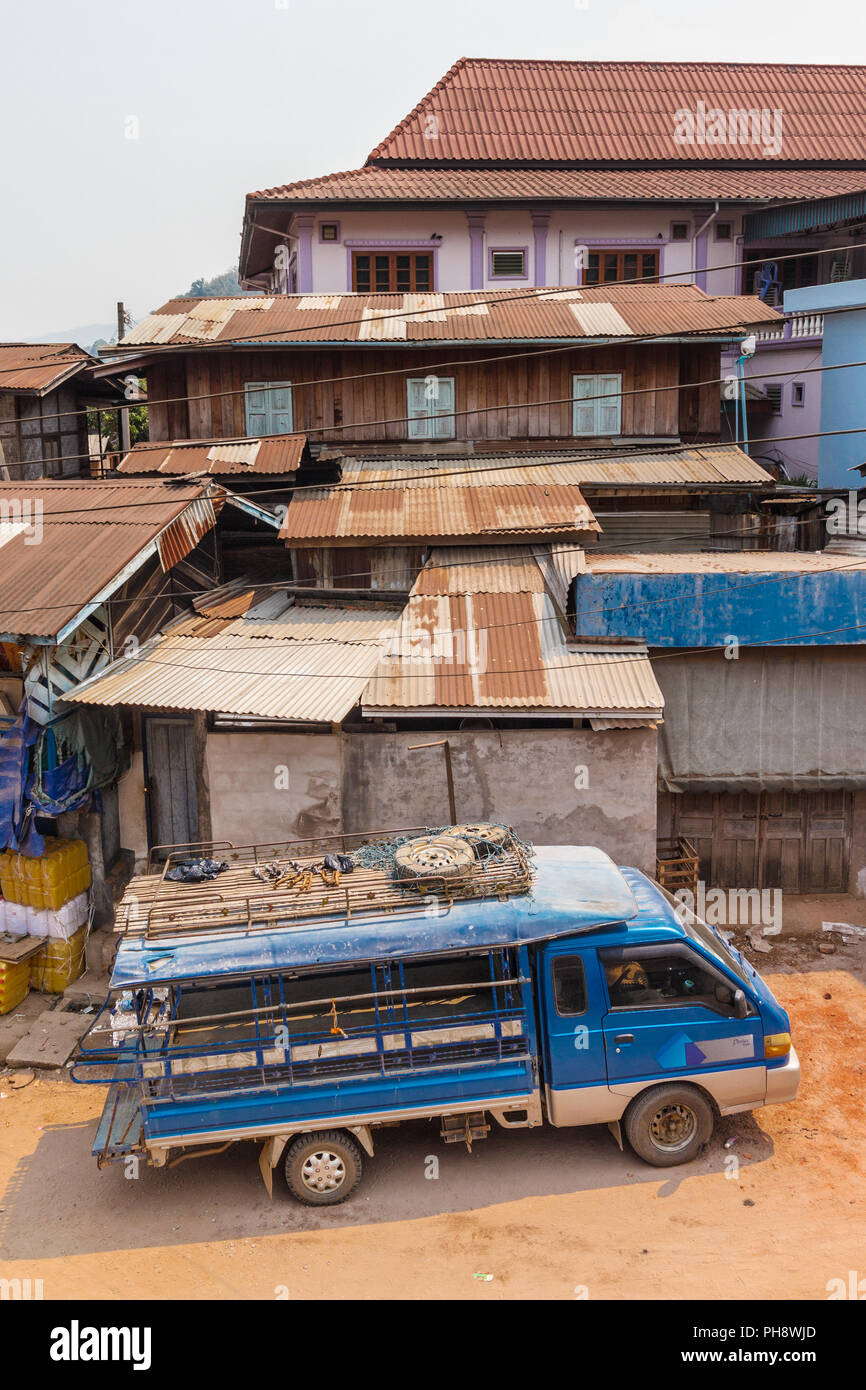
(324, 1168)
(669, 1124)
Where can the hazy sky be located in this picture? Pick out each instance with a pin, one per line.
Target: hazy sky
(233, 95)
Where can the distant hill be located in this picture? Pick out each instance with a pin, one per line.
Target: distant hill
(85, 335)
(225, 284)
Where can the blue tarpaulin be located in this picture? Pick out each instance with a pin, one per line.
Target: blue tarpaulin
(17, 830)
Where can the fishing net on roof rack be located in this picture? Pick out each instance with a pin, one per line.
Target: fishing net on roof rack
(448, 849)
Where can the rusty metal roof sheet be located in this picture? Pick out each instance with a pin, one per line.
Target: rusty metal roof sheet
(655, 467)
(471, 316)
(64, 544)
(514, 111)
(280, 660)
(276, 454)
(39, 367)
(384, 183)
(425, 511)
(722, 562)
(501, 648)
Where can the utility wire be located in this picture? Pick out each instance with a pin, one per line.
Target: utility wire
(538, 293)
(168, 445)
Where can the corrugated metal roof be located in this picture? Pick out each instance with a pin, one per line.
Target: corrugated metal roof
(280, 453)
(40, 367)
(388, 183)
(517, 110)
(499, 648)
(279, 661)
(204, 320)
(579, 467)
(724, 562)
(468, 569)
(88, 532)
(471, 316)
(391, 511)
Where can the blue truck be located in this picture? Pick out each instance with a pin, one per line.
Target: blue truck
(553, 988)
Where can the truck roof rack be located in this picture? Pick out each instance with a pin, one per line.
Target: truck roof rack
(283, 884)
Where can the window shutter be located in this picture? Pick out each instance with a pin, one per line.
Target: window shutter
(508, 263)
(256, 404)
(417, 409)
(442, 409)
(268, 408)
(280, 410)
(584, 415)
(609, 411)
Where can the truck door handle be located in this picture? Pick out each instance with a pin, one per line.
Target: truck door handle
(624, 1038)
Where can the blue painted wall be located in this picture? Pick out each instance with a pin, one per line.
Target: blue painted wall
(704, 610)
(843, 393)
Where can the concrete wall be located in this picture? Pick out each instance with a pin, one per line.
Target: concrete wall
(271, 785)
(513, 228)
(844, 304)
(798, 455)
(527, 779)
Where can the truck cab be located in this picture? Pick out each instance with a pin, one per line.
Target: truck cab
(661, 1007)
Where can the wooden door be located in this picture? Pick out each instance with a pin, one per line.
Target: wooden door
(170, 781)
(797, 841)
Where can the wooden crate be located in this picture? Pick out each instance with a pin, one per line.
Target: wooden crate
(678, 864)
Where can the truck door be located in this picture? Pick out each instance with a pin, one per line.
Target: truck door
(672, 1013)
(573, 1002)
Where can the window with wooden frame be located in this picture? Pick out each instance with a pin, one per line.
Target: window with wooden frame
(430, 402)
(268, 407)
(392, 272)
(605, 267)
(597, 404)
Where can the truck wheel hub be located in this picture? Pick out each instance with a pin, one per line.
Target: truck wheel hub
(673, 1127)
(323, 1172)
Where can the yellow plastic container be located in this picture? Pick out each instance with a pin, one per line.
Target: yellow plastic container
(14, 984)
(61, 873)
(58, 963)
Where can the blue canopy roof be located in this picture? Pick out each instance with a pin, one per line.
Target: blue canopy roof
(575, 890)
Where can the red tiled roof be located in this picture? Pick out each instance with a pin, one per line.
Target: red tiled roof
(512, 111)
(435, 185)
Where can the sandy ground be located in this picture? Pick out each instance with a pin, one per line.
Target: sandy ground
(551, 1215)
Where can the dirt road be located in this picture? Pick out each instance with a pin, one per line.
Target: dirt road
(550, 1215)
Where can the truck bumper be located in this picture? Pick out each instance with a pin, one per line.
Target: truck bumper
(783, 1082)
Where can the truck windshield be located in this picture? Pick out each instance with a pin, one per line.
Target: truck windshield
(704, 935)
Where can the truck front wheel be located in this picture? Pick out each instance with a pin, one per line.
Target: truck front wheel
(669, 1124)
(324, 1168)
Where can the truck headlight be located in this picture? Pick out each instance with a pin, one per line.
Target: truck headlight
(777, 1044)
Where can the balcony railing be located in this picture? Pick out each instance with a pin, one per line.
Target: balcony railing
(795, 326)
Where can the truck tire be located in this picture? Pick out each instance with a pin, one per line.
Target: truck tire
(434, 856)
(324, 1168)
(669, 1124)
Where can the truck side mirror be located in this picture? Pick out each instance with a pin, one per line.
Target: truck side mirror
(741, 1004)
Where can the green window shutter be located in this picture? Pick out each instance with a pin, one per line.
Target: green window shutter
(584, 415)
(256, 406)
(609, 413)
(418, 408)
(442, 409)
